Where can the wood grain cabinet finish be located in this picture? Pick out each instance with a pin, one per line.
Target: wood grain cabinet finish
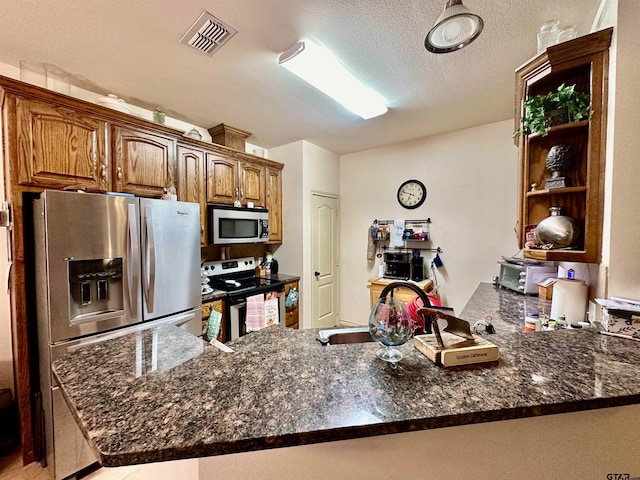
(274, 203)
(582, 62)
(222, 179)
(144, 162)
(292, 314)
(251, 182)
(191, 182)
(58, 147)
(218, 306)
(55, 141)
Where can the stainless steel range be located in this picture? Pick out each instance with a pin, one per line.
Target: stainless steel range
(238, 279)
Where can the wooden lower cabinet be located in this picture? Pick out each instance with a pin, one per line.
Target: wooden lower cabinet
(218, 306)
(292, 312)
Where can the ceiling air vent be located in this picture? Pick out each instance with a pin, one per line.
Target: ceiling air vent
(207, 34)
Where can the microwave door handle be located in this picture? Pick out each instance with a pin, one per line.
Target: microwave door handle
(133, 259)
(149, 275)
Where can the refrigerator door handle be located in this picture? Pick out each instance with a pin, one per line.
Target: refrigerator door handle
(149, 275)
(133, 260)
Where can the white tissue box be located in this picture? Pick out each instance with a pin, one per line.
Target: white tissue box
(621, 322)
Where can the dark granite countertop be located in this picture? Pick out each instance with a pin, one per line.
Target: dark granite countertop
(165, 395)
(283, 277)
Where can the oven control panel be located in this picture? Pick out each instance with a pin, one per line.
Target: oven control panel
(225, 267)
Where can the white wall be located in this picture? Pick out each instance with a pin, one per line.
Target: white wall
(471, 178)
(624, 194)
(308, 168)
(585, 445)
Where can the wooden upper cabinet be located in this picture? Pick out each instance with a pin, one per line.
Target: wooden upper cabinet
(582, 62)
(191, 182)
(144, 163)
(252, 183)
(58, 147)
(274, 203)
(222, 179)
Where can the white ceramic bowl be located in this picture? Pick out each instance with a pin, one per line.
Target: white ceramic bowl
(112, 101)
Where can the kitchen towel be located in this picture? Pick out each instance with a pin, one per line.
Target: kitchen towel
(212, 328)
(254, 319)
(271, 316)
(398, 232)
(371, 246)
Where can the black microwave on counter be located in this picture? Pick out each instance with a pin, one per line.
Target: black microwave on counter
(228, 225)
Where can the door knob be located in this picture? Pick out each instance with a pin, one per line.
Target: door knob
(317, 274)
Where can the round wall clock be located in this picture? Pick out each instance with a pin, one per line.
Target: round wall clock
(412, 194)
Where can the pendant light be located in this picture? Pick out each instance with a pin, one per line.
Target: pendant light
(454, 29)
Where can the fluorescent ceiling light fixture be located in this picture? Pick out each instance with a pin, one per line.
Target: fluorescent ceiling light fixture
(318, 67)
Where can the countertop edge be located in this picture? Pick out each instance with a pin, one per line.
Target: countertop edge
(362, 431)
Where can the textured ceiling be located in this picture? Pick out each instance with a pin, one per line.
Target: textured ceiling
(131, 48)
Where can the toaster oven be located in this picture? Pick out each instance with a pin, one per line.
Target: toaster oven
(524, 278)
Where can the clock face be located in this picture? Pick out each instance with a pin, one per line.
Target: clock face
(412, 194)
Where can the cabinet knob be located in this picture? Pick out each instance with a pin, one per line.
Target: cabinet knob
(317, 274)
(119, 174)
(103, 171)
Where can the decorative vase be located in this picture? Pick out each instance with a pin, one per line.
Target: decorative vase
(557, 231)
(557, 162)
(390, 325)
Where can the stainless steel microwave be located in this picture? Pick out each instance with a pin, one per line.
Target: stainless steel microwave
(237, 224)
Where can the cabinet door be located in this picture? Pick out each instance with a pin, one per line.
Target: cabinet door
(274, 203)
(292, 312)
(218, 306)
(191, 183)
(252, 183)
(578, 191)
(222, 179)
(58, 147)
(144, 162)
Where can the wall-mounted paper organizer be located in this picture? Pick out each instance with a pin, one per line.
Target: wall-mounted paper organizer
(414, 230)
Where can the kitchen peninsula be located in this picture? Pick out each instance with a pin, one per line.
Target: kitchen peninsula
(164, 395)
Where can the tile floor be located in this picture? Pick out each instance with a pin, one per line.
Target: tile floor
(11, 469)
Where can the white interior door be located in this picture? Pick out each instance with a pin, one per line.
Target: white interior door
(324, 255)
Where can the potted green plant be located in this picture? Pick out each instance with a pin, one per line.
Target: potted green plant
(564, 105)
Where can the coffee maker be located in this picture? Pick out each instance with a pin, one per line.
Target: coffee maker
(417, 268)
(397, 265)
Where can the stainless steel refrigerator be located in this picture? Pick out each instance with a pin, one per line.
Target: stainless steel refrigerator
(106, 266)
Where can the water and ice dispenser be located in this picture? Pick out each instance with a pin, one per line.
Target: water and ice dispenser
(95, 287)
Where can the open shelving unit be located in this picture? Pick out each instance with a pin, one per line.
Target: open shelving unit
(582, 62)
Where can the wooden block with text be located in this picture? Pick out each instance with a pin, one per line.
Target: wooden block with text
(458, 350)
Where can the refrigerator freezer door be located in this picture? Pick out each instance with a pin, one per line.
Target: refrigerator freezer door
(82, 263)
(170, 257)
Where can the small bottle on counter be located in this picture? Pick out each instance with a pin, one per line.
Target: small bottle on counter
(532, 323)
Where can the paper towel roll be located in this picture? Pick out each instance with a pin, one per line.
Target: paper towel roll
(570, 300)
